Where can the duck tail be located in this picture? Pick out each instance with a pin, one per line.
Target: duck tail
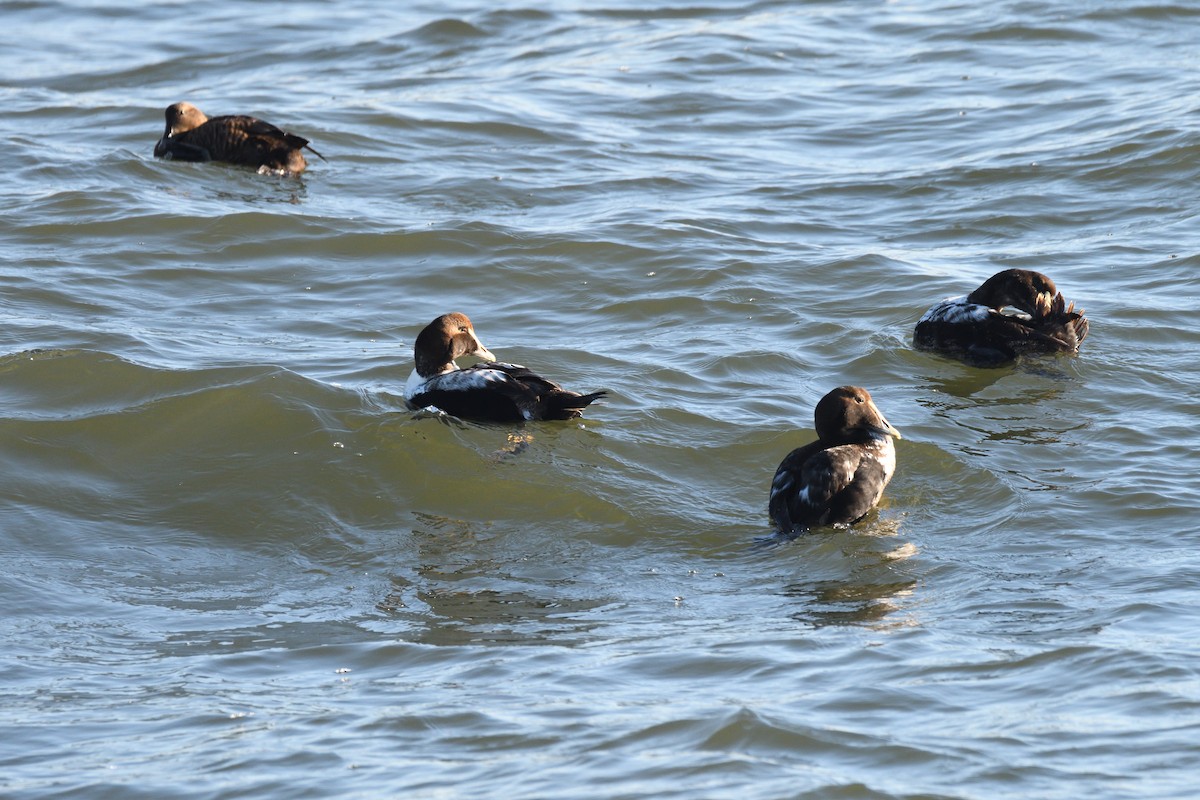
(568, 405)
(1059, 320)
(1079, 327)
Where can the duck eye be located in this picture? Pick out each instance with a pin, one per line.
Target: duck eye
(858, 400)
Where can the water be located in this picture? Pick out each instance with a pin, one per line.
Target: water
(235, 566)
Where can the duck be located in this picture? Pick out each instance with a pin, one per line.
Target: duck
(840, 477)
(234, 139)
(492, 391)
(982, 330)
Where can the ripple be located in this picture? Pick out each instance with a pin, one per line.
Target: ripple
(231, 547)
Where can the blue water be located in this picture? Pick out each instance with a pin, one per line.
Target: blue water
(236, 566)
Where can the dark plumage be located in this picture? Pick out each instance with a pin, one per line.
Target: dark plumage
(978, 330)
(490, 392)
(841, 476)
(248, 141)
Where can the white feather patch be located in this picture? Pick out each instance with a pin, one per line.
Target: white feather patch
(956, 311)
(885, 453)
(413, 386)
(466, 380)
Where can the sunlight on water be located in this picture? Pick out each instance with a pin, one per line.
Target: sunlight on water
(237, 565)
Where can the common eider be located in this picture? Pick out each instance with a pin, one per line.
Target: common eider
(236, 139)
(489, 392)
(841, 476)
(981, 330)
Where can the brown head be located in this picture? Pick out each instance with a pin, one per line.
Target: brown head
(183, 117)
(448, 337)
(1019, 288)
(848, 415)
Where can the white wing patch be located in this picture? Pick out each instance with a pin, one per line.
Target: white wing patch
(781, 483)
(458, 380)
(467, 379)
(956, 311)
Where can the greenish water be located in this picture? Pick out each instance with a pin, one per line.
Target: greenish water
(236, 566)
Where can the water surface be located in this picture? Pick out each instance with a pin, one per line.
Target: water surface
(236, 566)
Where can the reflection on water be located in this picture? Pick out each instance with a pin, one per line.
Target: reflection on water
(968, 387)
(499, 617)
(446, 615)
(1022, 425)
(858, 603)
(452, 599)
(853, 575)
(214, 498)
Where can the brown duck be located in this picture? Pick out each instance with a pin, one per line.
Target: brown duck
(248, 141)
(979, 329)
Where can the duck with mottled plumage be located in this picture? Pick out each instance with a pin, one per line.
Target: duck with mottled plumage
(981, 330)
(236, 139)
(487, 392)
(839, 478)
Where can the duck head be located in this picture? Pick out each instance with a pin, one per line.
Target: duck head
(181, 118)
(447, 338)
(1019, 288)
(849, 415)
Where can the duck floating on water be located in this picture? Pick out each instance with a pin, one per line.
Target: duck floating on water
(235, 139)
(979, 330)
(487, 392)
(840, 477)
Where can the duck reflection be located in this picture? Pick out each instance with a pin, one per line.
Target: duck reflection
(458, 599)
(847, 603)
(1021, 429)
(870, 593)
(952, 380)
(490, 616)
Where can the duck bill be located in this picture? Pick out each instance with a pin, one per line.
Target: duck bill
(480, 355)
(884, 432)
(480, 352)
(884, 429)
